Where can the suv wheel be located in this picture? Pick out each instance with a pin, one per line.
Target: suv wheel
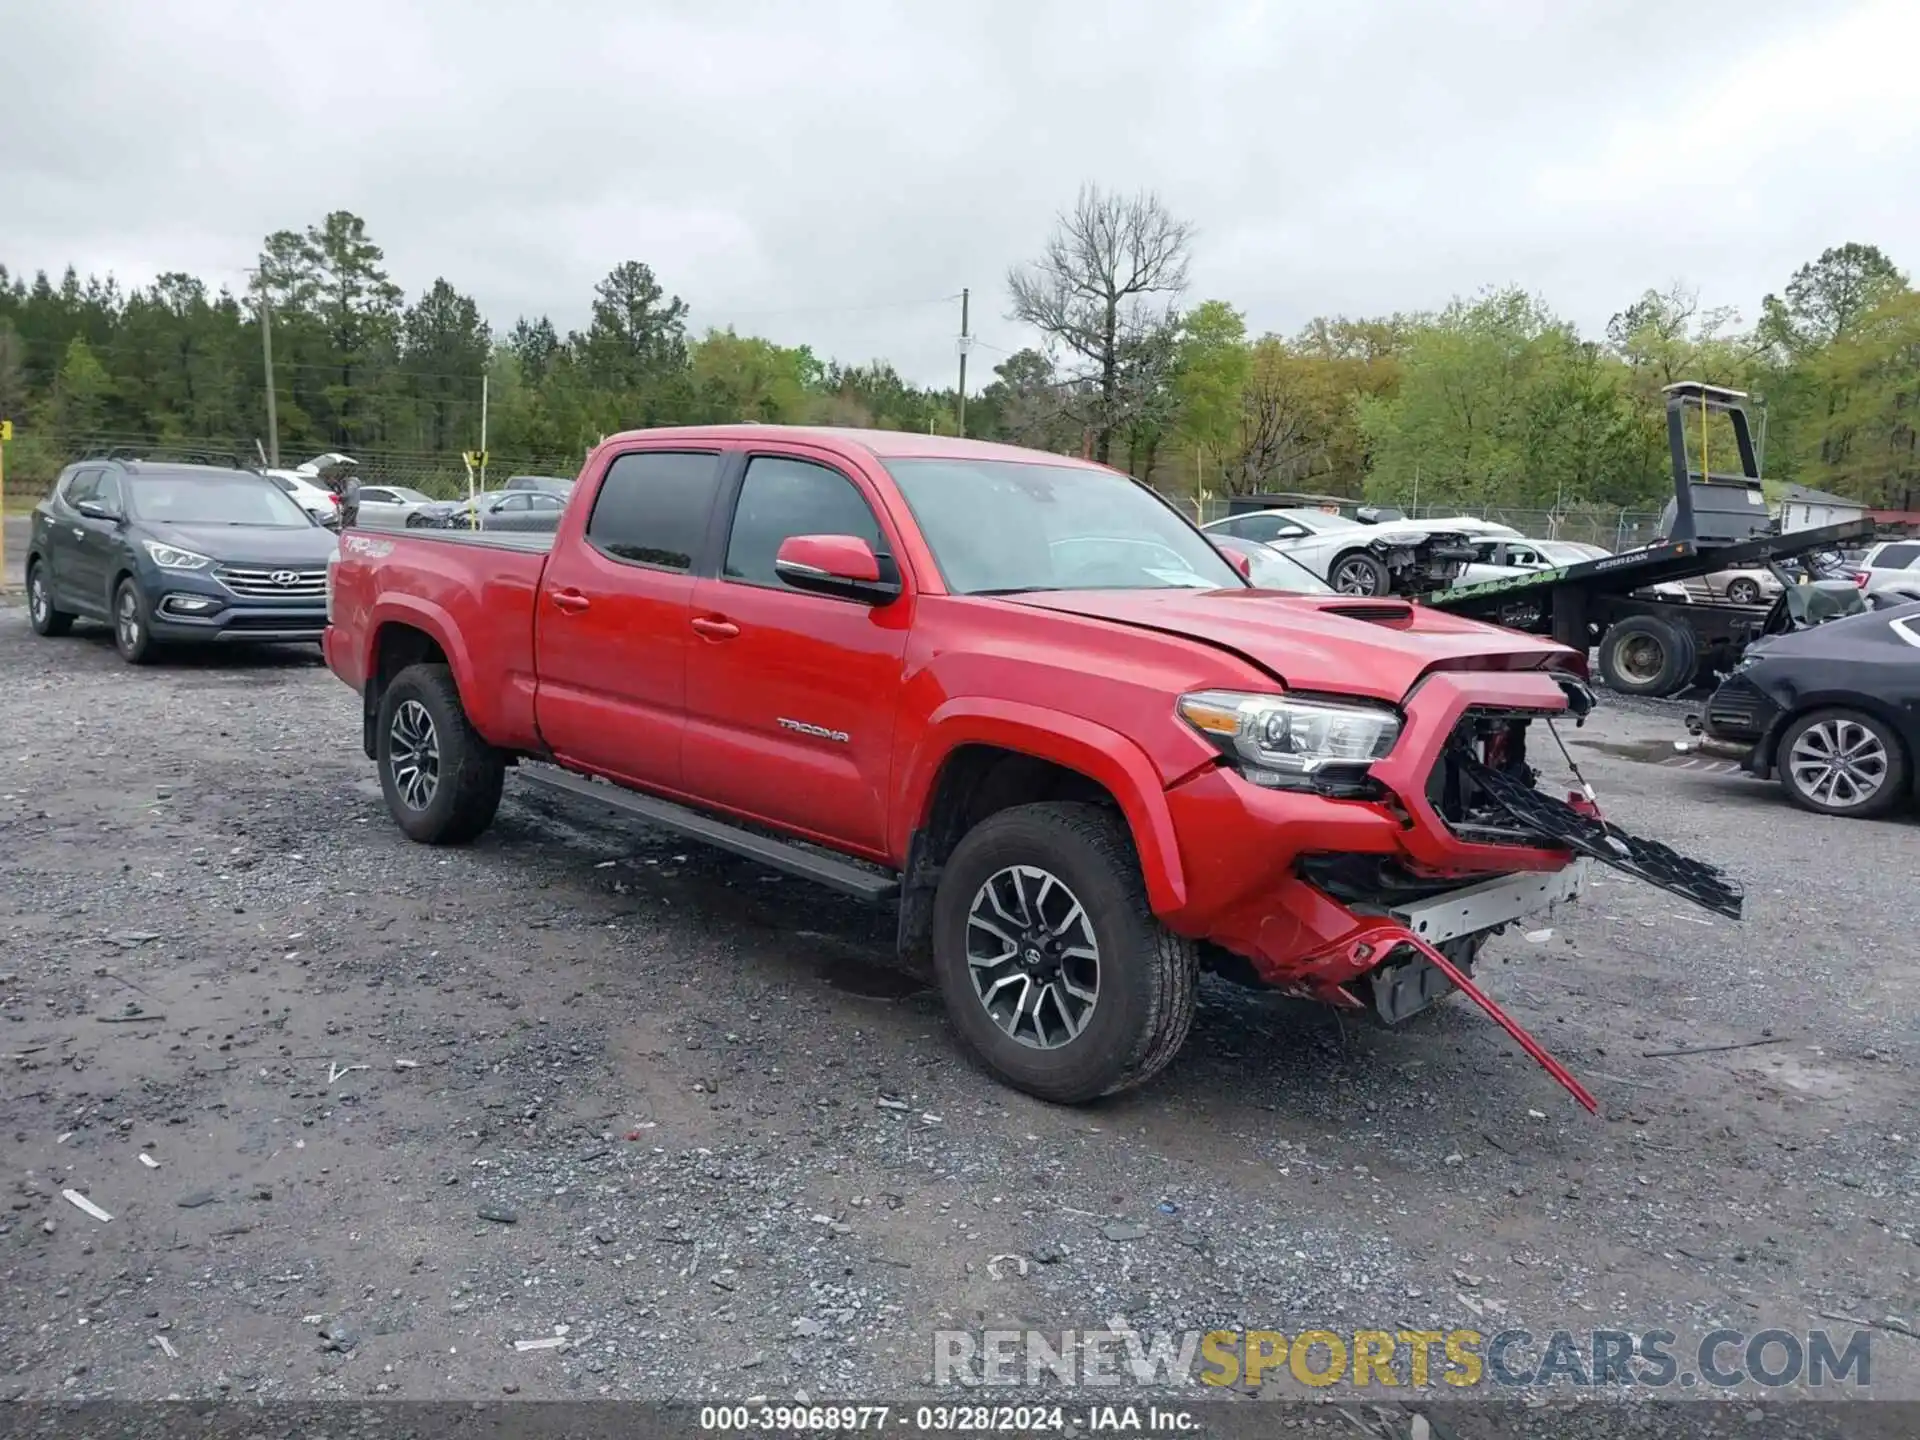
(442, 781)
(1841, 762)
(132, 627)
(1053, 967)
(40, 612)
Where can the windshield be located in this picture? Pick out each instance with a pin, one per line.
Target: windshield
(213, 500)
(410, 497)
(1275, 569)
(1001, 527)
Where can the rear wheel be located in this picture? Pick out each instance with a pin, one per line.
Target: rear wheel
(132, 624)
(40, 612)
(1054, 969)
(1646, 655)
(1359, 574)
(1744, 591)
(1842, 762)
(441, 779)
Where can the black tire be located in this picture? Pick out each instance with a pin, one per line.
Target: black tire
(467, 772)
(40, 612)
(1743, 591)
(1147, 976)
(1645, 655)
(1356, 569)
(1893, 767)
(133, 623)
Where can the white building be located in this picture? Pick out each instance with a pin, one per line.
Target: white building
(1806, 509)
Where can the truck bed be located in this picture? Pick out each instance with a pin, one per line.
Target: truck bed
(453, 585)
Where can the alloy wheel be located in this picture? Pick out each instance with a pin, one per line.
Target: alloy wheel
(1838, 762)
(414, 755)
(37, 602)
(127, 620)
(1355, 577)
(1033, 956)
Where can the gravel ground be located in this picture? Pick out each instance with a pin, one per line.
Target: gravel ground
(584, 1082)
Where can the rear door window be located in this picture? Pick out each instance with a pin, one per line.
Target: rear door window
(1897, 557)
(653, 507)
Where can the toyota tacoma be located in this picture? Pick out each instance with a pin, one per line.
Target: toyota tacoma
(1017, 696)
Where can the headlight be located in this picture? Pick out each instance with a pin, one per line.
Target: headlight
(1284, 742)
(171, 557)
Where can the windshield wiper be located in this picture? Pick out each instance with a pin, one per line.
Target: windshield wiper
(1019, 590)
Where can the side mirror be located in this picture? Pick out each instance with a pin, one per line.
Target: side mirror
(94, 510)
(839, 565)
(1240, 562)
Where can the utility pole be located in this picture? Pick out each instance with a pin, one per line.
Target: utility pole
(483, 431)
(266, 355)
(966, 344)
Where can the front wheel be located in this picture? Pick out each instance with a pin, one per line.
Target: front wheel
(1744, 592)
(40, 612)
(441, 779)
(132, 623)
(1842, 762)
(1053, 967)
(1359, 575)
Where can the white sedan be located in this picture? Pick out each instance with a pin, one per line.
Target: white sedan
(1338, 549)
(386, 507)
(1496, 558)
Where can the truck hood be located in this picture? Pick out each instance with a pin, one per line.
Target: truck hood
(1335, 644)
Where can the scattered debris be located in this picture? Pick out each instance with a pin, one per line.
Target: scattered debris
(1123, 1230)
(340, 1337)
(130, 939)
(885, 1104)
(808, 1328)
(148, 1161)
(197, 1199)
(545, 1342)
(498, 1214)
(406, 1064)
(1019, 1262)
(166, 1347)
(1539, 937)
(80, 1202)
(337, 1072)
(1713, 1049)
(132, 1018)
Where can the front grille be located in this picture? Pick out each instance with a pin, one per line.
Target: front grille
(280, 584)
(288, 620)
(1734, 711)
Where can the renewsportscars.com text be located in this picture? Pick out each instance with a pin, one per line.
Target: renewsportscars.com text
(1365, 1359)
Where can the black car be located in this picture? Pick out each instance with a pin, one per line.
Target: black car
(1832, 711)
(169, 553)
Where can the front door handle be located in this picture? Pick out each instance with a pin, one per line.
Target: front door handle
(716, 629)
(571, 601)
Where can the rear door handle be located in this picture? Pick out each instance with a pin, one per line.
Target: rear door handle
(571, 601)
(78, 533)
(716, 629)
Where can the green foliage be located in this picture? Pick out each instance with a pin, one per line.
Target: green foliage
(1489, 401)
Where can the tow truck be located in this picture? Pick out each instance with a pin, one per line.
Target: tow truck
(1654, 641)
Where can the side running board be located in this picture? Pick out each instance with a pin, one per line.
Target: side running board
(846, 876)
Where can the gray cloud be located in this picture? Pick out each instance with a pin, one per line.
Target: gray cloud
(829, 172)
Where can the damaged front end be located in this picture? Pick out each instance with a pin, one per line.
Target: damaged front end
(1422, 563)
(1479, 847)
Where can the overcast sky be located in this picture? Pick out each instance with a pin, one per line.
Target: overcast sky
(829, 170)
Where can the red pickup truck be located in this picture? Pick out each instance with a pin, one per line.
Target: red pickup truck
(1018, 696)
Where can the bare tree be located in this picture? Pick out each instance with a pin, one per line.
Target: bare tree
(1091, 293)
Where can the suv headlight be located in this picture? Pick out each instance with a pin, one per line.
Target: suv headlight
(1283, 742)
(172, 557)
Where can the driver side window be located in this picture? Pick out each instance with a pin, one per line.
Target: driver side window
(85, 485)
(109, 495)
(781, 498)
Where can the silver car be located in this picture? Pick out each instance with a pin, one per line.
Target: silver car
(533, 510)
(386, 507)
